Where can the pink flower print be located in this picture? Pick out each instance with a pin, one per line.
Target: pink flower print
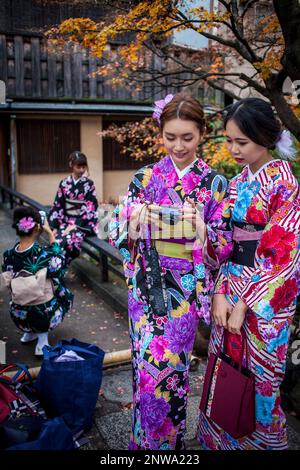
(189, 181)
(164, 430)
(160, 320)
(281, 352)
(172, 178)
(181, 392)
(81, 197)
(209, 442)
(147, 383)
(90, 206)
(172, 382)
(203, 195)
(265, 388)
(157, 347)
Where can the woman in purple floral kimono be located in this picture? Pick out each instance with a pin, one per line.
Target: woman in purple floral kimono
(168, 266)
(73, 215)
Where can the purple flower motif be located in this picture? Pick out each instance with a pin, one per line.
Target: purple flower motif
(26, 224)
(147, 383)
(180, 332)
(209, 208)
(159, 106)
(165, 166)
(135, 308)
(153, 411)
(156, 189)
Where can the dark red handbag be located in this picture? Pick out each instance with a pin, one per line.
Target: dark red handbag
(229, 393)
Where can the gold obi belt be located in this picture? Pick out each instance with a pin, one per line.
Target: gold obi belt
(174, 250)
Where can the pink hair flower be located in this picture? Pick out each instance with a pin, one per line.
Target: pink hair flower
(26, 224)
(159, 106)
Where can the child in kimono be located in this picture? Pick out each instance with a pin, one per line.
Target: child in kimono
(168, 266)
(73, 215)
(34, 275)
(256, 289)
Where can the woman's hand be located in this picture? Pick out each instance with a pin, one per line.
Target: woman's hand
(69, 229)
(143, 214)
(46, 228)
(191, 214)
(221, 309)
(237, 317)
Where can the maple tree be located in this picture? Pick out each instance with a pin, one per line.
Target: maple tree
(269, 47)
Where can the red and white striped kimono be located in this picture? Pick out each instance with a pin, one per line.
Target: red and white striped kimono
(265, 274)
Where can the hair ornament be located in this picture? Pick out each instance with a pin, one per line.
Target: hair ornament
(26, 224)
(159, 106)
(285, 147)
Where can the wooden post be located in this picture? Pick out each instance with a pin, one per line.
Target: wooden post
(19, 65)
(104, 268)
(36, 67)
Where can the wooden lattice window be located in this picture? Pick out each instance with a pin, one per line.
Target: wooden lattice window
(44, 145)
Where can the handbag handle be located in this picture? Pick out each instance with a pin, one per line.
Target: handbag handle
(51, 352)
(19, 375)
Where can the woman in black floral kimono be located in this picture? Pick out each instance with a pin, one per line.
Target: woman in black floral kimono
(35, 310)
(73, 215)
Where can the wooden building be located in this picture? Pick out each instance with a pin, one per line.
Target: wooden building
(55, 104)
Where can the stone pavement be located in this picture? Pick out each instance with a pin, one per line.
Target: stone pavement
(112, 420)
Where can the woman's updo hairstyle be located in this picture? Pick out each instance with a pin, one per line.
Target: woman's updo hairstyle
(184, 106)
(77, 158)
(255, 118)
(25, 219)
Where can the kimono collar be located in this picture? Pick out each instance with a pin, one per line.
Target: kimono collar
(182, 173)
(252, 176)
(76, 181)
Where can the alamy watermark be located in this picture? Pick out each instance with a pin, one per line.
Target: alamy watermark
(296, 92)
(2, 92)
(295, 348)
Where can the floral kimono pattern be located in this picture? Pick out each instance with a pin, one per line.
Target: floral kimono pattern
(44, 317)
(75, 203)
(162, 344)
(269, 289)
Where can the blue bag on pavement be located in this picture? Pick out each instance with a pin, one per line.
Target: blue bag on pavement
(54, 435)
(70, 389)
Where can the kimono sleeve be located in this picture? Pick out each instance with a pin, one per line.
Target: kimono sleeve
(57, 212)
(218, 245)
(88, 220)
(119, 223)
(56, 262)
(273, 285)
(5, 261)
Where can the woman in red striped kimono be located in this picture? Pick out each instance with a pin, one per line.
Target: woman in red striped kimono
(256, 290)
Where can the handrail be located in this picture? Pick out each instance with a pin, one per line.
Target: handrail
(104, 249)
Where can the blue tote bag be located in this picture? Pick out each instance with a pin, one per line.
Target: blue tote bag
(70, 389)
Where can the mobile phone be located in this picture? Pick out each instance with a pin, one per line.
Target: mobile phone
(169, 214)
(43, 217)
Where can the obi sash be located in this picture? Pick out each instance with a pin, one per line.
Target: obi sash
(245, 241)
(73, 207)
(174, 250)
